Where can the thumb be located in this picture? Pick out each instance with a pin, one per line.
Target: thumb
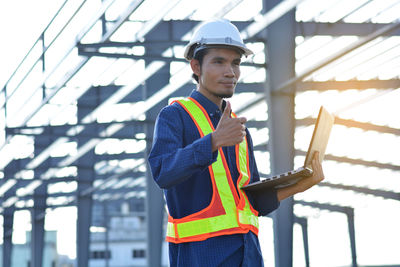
(227, 110)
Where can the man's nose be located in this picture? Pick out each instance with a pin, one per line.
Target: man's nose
(229, 72)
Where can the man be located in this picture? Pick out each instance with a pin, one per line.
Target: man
(202, 155)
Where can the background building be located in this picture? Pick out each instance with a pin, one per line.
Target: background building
(81, 84)
(122, 243)
(21, 252)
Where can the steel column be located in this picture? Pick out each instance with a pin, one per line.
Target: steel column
(280, 61)
(352, 236)
(8, 213)
(8, 219)
(154, 215)
(38, 232)
(304, 224)
(86, 175)
(84, 207)
(154, 196)
(39, 208)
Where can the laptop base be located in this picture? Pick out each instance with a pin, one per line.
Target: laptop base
(279, 181)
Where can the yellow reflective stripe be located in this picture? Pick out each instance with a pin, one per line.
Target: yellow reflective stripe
(204, 226)
(222, 184)
(247, 217)
(170, 229)
(197, 113)
(243, 163)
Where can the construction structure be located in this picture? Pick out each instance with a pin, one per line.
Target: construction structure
(77, 115)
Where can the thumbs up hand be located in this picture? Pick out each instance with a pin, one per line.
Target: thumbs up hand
(230, 131)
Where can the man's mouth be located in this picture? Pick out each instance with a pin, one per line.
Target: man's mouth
(232, 83)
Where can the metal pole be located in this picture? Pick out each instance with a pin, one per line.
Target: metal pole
(106, 217)
(280, 59)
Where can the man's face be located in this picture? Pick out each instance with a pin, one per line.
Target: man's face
(219, 73)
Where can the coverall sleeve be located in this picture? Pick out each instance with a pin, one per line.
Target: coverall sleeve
(170, 161)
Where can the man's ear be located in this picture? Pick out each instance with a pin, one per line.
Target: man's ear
(195, 65)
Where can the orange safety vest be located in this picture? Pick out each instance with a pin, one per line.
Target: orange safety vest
(227, 213)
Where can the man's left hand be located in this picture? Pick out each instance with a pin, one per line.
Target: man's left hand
(305, 183)
(315, 178)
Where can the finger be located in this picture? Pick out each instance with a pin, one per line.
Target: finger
(315, 162)
(242, 120)
(227, 110)
(317, 167)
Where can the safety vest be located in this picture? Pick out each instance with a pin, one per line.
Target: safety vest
(227, 213)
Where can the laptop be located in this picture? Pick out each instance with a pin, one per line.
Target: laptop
(318, 143)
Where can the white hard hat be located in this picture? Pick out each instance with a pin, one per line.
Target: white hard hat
(219, 32)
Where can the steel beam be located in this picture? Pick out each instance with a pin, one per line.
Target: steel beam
(83, 52)
(347, 85)
(128, 131)
(339, 28)
(354, 124)
(306, 29)
(98, 191)
(375, 192)
(355, 161)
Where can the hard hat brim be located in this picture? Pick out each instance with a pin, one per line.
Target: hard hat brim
(190, 49)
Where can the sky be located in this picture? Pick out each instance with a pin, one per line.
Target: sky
(19, 27)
